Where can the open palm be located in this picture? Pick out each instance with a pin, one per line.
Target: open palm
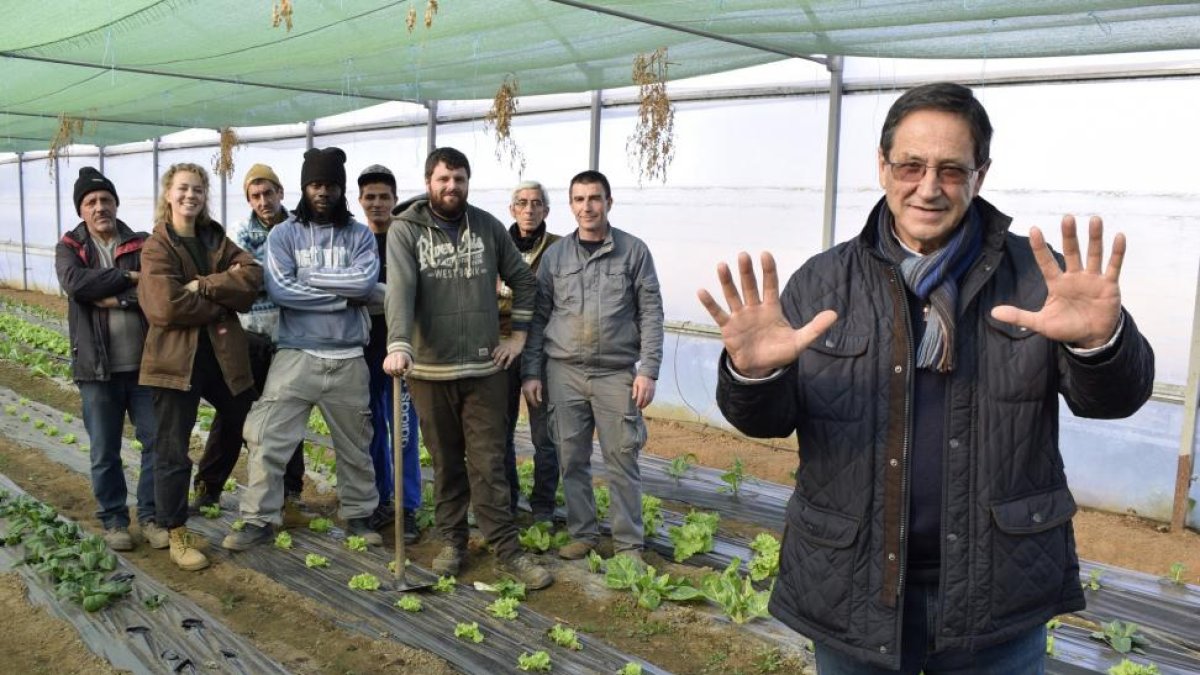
(1083, 302)
(757, 337)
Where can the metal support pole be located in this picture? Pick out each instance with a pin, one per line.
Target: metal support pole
(1187, 437)
(154, 168)
(431, 127)
(21, 199)
(100, 150)
(308, 135)
(594, 147)
(832, 150)
(57, 197)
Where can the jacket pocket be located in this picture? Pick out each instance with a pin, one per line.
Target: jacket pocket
(1020, 367)
(816, 565)
(831, 375)
(1030, 551)
(568, 291)
(633, 433)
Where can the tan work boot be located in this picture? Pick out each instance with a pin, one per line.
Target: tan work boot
(118, 538)
(184, 553)
(156, 536)
(526, 570)
(576, 550)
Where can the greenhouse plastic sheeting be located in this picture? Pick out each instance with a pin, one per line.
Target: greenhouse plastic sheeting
(136, 69)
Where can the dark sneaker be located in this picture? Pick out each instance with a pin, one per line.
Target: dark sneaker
(543, 517)
(576, 550)
(382, 516)
(449, 560)
(523, 568)
(250, 536)
(118, 539)
(411, 532)
(361, 527)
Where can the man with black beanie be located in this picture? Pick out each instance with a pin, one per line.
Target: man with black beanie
(98, 264)
(321, 271)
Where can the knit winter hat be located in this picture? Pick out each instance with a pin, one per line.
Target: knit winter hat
(259, 172)
(91, 180)
(327, 165)
(377, 173)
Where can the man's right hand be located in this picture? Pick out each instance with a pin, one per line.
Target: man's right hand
(396, 364)
(757, 337)
(532, 390)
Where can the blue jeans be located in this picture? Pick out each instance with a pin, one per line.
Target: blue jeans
(104, 407)
(381, 441)
(1023, 655)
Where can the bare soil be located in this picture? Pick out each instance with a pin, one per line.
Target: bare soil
(37, 643)
(292, 630)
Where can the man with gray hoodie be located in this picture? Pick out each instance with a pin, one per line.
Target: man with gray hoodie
(321, 270)
(443, 257)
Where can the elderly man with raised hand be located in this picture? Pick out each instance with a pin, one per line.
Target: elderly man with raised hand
(443, 333)
(321, 270)
(920, 366)
(529, 207)
(99, 265)
(598, 334)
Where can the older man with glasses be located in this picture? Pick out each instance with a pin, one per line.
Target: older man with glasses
(529, 208)
(920, 366)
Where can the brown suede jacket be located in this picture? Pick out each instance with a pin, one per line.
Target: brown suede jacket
(177, 316)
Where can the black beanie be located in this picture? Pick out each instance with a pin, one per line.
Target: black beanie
(327, 165)
(91, 180)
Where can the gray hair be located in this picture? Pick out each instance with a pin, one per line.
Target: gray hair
(532, 185)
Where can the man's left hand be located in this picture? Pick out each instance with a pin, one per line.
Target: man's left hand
(1083, 303)
(643, 391)
(509, 349)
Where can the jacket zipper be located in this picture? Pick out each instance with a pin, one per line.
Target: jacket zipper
(904, 468)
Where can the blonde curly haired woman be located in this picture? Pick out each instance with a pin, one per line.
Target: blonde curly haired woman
(194, 282)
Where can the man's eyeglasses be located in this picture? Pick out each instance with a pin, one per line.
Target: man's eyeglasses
(523, 203)
(914, 172)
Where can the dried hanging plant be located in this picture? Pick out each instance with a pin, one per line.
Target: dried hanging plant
(652, 145)
(281, 12)
(69, 128)
(411, 19)
(500, 117)
(223, 159)
(431, 9)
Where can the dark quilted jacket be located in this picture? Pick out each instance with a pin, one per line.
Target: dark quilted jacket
(1008, 551)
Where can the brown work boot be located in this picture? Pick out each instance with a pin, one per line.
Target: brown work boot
(449, 560)
(294, 516)
(525, 569)
(183, 552)
(156, 536)
(577, 549)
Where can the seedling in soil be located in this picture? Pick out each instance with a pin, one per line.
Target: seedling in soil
(1049, 645)
(423, 456)
(283, 541)
(1122, 637)
(364, 582)
(69, 439)
(154, 601)
(765, 561)
(565, 637)
(538, 538)
(51, 431)
(445, 584)
(735, 594)
(10, 409)
(67, 418)
(733, 478)
(24, 417)
(648, 588)
(594, 562)
(538, 661)
(23, 401)
(652, 518)
(468, 631)
(1127, 667)
(356, 543)
(212, 511)
(1093, 581)
(504, 608)
(695, 535)
(504, 588)
(39, 424)
(525, 478)
(410, 603)
(679, 466)
(137, 445)
(320, 525)
(238, 525)
(1176, 575)
(230, 485)
(313, 560)
(630, 668)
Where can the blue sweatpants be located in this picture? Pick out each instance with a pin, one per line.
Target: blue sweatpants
(381, 442)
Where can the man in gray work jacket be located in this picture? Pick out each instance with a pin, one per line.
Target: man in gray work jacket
(920, 366)
(598, 328)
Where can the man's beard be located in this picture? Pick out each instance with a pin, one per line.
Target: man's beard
(440, 206)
